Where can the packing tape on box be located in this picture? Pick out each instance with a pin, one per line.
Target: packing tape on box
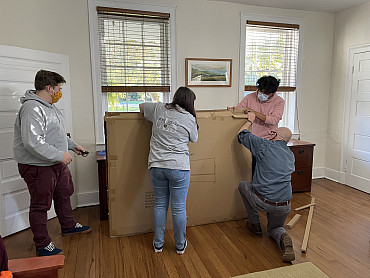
(240, 116)
(215, 115)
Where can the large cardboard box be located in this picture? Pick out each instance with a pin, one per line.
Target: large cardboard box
(218, 163)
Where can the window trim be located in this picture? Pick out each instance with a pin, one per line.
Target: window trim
(99, 101)
(244, 17)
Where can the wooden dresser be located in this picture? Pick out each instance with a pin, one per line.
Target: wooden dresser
(103, 184)
(303, 153)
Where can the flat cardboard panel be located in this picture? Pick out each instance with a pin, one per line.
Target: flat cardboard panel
(218, 163)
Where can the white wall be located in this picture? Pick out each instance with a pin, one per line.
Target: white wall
(60, 27)
(205, 29)
(351, 29)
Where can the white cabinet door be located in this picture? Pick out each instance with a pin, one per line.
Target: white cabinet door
(18, 67)
(358, 148)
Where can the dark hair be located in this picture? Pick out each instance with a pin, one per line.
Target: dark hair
(268, 84)
(45, 78)
(184, 97)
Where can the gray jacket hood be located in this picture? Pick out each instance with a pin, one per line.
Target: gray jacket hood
(31, 95)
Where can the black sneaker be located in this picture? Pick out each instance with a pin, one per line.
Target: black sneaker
(49, 250)
(78, 229)
(182, 251)
(157, 249)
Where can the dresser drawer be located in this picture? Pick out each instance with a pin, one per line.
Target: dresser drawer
(303, 155)
(301, 179)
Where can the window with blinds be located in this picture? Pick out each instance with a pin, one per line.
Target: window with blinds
(271, 49)
(134, 56)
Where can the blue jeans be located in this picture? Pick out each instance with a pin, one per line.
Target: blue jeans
(170, 184)
(276, 215)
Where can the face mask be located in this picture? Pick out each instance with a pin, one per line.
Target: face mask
(56, 96)
(262, 97)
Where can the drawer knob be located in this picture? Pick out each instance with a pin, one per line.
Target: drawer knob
(300, 172)
(301, 151)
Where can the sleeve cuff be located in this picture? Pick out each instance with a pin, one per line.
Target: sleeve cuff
(60, 156)
(241, 134)
(71, 144)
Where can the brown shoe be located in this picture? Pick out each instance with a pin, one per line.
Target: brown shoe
(255, 228)
(287, 246)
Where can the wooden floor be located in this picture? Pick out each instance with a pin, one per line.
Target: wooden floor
(338, 243)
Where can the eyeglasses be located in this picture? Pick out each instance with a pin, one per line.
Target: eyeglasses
(84, 154)
(273, 135)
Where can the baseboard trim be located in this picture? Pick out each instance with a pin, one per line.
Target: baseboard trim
(330, 174)
(318, 173)
(87, 199)
(335, 175)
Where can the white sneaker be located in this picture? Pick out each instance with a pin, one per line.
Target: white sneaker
(156, 249)
(182, 251)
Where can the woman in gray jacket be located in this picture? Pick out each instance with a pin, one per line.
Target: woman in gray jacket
(174, 125)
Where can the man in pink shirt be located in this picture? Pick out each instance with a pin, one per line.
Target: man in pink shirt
(265, 104)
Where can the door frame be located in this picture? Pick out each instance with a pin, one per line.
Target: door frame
(352, 51)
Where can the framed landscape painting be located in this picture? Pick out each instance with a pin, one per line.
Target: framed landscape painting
(208, 72)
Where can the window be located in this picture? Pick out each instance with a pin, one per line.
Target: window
(134, 51)
(272, 48)
(133, 56)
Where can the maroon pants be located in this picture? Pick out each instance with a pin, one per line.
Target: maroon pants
(3, 256)
(47, 183)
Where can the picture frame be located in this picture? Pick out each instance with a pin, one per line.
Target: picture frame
(202, 72)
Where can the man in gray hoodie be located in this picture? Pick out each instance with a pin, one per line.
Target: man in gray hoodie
(41, 149)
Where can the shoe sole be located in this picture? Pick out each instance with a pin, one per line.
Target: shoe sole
(78, 233)
(60, 253)
(288, 255)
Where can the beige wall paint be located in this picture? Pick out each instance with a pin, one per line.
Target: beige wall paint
(351, 29)
(205, 29)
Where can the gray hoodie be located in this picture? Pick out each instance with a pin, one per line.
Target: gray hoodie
(171, 133)
(40, 137)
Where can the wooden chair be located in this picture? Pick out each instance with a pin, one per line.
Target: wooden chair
(40, 267)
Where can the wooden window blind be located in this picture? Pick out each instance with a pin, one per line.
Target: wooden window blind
(134, 50)
(271, 49)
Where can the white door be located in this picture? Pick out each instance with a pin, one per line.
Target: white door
(18, 67)
(358, 147)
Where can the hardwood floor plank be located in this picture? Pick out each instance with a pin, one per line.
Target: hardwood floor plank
(210, 260)
(196, 261)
